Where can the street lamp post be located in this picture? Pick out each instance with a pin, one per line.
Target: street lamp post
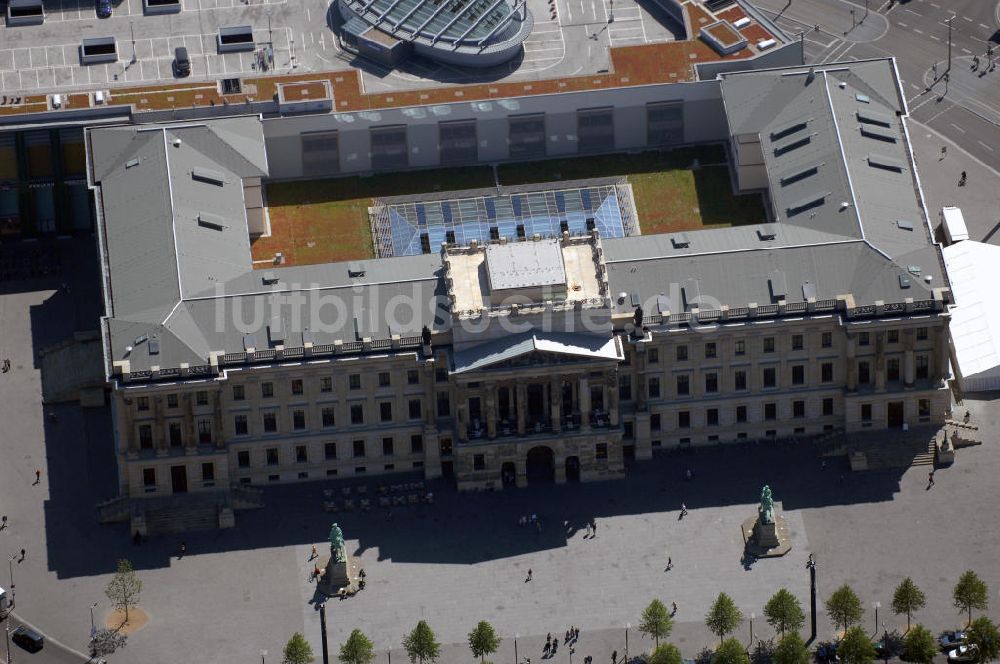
(811, 566)
(7, 632)
(627, 626)
(263, 654)
(876, 605)
(752, 616)
(93, 627)
(322, 626)
(949, 40)
(516, 660)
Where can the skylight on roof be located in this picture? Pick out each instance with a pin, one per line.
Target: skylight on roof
(885, 163)
(208, 176)
(871, 117)
(787, 130)
(904, 225)
(878, 133)
(799, 175)
(788, 147)
(806, 204)
(212, 221)
(864, 99)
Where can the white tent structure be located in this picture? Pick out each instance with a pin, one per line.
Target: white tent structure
(975, 323)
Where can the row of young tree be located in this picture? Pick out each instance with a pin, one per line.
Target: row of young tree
(782, 611)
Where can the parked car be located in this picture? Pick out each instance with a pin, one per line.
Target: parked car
(963, 654)
(103, 8)
(950, 639)
(27, 638)
(182, 63)
(826, 653)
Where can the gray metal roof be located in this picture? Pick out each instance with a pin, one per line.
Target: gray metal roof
(587, 346)
(525, 264)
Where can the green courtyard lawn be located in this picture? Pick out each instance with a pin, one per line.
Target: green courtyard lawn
(321, 221)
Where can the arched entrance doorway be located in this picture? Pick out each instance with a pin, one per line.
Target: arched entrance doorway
(541, 465)
(573, 469)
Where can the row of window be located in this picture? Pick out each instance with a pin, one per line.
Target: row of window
(770, 413)
(296, 387)
(328, 417)
(769, 377)
(359, 450)
(710, 350)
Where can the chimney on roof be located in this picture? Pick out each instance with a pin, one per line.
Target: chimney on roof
(811, 76)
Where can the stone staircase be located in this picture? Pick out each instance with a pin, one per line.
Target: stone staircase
(883, 449)
(167, 521)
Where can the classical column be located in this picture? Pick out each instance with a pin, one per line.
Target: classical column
(159, 436)
(643, 436)
(612, 388)
(640, 377)
(521, 404)
(942, 360)
(555, 391)
(188, 428)
(584, 401)
(852, 363)
(217, 433)
(908, 358)
(521, 471)
(491, 410)
(463, 419)
(430, 396)
(432, 452)
(126, 427)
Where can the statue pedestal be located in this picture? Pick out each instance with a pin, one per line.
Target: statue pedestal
(339, 578)
(766, 540)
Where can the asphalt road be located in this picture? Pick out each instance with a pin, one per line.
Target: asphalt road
(964, 106)
(52, 653)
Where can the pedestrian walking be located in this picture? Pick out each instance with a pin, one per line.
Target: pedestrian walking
(673, 608)
(962, 180)
(529, 576)
(944, 152)
(314, 554)
(614, 657)
(593, 527)
(670, 563)
(684, 510)
(930, 479)
(22, 556)
(184, 548)
(967, 417)
(38, 476)
(3, 522)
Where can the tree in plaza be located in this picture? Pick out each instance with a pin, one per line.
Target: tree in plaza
(420, 644)
(731, 651)
(983, 634)
(907, 599)
(783, 612)
(723, 617)
(105, 642)
(358, 649)
(124, 587)
(483, 640)
(919, 645)
(970, 593)
(844, 607)
(656, 621)
(297, 650)
(666, 654)
(791, 650)
(856, 647)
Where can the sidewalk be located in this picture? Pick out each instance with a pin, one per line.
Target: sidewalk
(939, 176)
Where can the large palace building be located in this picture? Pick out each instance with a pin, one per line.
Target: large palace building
(554, 348)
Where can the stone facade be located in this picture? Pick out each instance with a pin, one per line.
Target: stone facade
(348, 417)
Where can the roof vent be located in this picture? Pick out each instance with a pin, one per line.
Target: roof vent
(355, 269)
(208, 176)
(904, 281)
(621, 298)
(249, 343)
(811, 76)
(928, 278)
(212, 221)
(177, 142)
(269, 278)
(680, 241)
(913, 269)
(153, 346)
(844, 205)
(808, 290)
(131, 163)
(767, 232)
(776, 282)
(902, 224)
